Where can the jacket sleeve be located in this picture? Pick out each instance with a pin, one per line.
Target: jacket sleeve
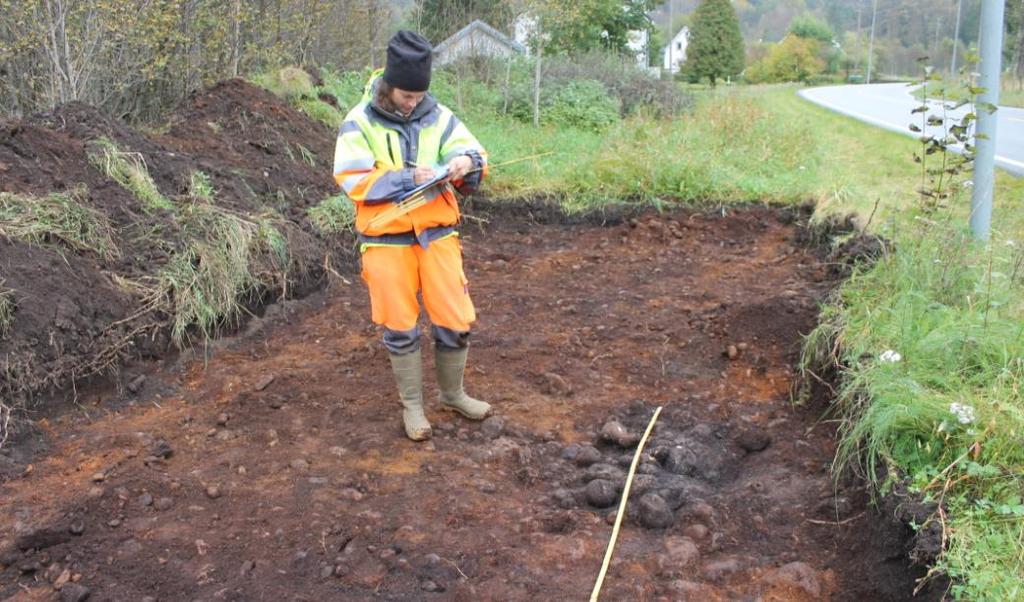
(359, 174)
(457, 140)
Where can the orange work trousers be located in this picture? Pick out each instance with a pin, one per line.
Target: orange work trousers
(395, 273)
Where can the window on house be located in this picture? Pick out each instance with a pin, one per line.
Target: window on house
(679, 45)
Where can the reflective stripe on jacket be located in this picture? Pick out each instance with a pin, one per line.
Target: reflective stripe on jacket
(376, 155)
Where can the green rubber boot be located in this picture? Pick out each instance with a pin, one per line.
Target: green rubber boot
(408, 371)
(451, 364)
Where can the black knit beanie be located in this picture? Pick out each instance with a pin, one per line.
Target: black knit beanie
(408, 65)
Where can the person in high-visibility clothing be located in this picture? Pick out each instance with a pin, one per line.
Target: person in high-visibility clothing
(392, 142)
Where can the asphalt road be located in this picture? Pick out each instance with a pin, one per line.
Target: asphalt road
(889, 105)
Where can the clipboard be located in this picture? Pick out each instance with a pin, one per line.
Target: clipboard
(440, 178)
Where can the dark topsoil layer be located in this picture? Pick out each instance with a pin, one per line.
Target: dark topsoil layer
(73, 318)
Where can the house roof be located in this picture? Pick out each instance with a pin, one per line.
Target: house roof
(483, 27)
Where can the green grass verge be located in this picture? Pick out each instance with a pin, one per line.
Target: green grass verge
(948, 415)
(730, 149)
(129, 170)
(58, 218)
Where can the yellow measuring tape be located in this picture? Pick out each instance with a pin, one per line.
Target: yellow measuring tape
(622, 507)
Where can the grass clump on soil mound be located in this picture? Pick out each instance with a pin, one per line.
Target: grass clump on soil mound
(60, 218)
(207, 284)
(334, 215)
(129, 170)
(7, 307)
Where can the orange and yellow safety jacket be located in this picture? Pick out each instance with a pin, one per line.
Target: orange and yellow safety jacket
(375, 157)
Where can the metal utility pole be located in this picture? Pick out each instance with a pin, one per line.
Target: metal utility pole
(671, 34)
(956, 38)
(991, 44)
(871, 44)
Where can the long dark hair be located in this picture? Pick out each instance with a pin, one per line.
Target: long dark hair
(382, 96)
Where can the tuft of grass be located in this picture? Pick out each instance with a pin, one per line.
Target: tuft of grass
(58, 218)
(333, 215)
(129, 170)
(8, 305)
(200, 187)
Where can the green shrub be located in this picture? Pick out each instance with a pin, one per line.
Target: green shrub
(583, 104)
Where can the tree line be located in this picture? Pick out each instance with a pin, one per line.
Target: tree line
(134, 59)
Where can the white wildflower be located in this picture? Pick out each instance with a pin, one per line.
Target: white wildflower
(963, 412)
(890, 356)
(968, 184)
(1010, 243)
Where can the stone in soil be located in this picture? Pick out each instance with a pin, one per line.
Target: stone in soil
(74, 592)
(653, 512)
(614, 432)
(137, 383)
(796, 576)
(754, 440)
(601, 493)
(696, 531)
(161, 449)
(493, 426)
(587, 455)
(429, 585)
(604, 471)
(680, 552)
(556, 385)
(145, 499)
(213, 492)
(76, 527)
(164, 503)
(263, 382)
(717, 570)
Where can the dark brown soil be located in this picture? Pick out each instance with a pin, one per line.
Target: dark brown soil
(75, 317)
(278, 470)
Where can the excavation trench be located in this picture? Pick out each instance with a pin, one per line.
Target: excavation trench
(277, 469)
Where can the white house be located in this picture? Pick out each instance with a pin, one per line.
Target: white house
(477, 39)
(637, 41)
(675, 51)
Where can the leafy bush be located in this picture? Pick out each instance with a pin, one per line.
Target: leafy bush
(583, 104)
(794, 59)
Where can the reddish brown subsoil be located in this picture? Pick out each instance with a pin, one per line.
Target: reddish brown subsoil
(277, 469)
